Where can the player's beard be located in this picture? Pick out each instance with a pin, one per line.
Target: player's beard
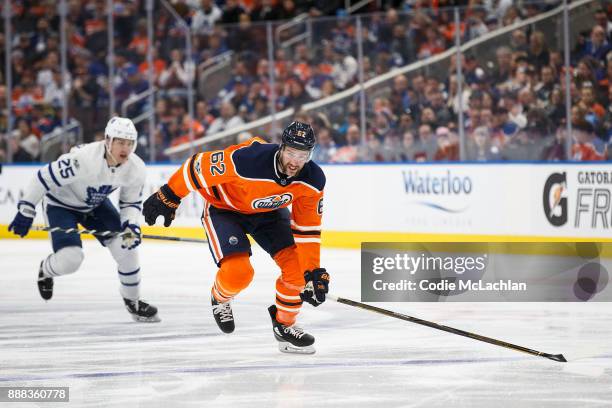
(284, 167)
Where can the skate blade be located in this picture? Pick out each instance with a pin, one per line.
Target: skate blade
(289, 348)
(142, 319)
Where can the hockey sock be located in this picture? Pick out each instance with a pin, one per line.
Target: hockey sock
(288, 286)
(128, 267)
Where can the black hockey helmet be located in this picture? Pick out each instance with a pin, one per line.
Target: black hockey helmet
(299, 135)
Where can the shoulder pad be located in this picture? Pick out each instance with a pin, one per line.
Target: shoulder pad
(312, 175)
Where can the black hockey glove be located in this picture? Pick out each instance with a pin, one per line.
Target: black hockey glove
(163, 202)
(317, 285)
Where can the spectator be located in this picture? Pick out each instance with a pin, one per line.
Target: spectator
(546, 85)
(325, 148)
(26, 144)
(555, 150)
(538, 51)
(601, 17)
(344, 70)
(409, 147)
(518, 41)
(264, 10)
(227, 120)
(231, 12)
(296, 95)
(587, 147)
(597, 46)
(427, 141)
(350, 152)
(177, 75)
(205, 17)
(590, 105)
(134, 85)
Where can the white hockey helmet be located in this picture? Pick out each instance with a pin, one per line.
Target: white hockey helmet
(120, 128)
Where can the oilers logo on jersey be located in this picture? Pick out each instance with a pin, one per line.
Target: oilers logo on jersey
(272, 202)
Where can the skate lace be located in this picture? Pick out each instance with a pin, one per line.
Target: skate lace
(224, 310)
(295, 331)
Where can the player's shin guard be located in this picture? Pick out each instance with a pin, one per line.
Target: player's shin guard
(235, 274)
(288, 286)
(128, 267)
(63, 262)
(288, 302)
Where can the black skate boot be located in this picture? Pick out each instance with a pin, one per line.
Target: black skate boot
(223, 315)
(45, 283)
(291, 339)
(141, 311)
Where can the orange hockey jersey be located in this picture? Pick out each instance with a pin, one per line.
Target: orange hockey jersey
(244, 178)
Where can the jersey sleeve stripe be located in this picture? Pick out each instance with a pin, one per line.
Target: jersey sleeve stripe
(42, 181)
(130, 202)
(298, 232)
(53, 176)
(193, 174)
(199, 175)
(186, 176)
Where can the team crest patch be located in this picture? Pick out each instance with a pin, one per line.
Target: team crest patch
(233, 240)
(95, 196)
(272, 202)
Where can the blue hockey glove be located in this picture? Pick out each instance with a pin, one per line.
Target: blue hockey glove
(23, 220)
(132, 240)
(317, 285)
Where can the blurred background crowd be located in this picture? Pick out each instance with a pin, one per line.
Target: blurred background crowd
(513, 96)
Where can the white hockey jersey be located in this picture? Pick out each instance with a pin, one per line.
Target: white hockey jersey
(81, 180)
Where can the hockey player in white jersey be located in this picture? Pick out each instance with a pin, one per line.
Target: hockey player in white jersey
(74, 190)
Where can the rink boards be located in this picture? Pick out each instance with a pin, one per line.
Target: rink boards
(420, 202)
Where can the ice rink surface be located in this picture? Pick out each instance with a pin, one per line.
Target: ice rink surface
(84, 339)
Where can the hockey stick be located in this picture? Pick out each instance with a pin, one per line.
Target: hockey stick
(555, 357)
(112, 234)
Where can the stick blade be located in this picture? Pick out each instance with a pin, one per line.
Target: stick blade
(556, 357)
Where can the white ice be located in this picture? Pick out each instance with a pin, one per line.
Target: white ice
(84, 339)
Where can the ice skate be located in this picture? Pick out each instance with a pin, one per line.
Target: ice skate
(223, 315)
(291, 339)
(141, 311)
(45, 283)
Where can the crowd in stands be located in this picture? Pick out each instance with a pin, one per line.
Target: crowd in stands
(513, 111)
(507, 105)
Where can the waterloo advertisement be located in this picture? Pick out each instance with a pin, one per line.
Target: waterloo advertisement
(570, 200)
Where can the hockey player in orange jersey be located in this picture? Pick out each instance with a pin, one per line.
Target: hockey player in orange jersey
(247, 189)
